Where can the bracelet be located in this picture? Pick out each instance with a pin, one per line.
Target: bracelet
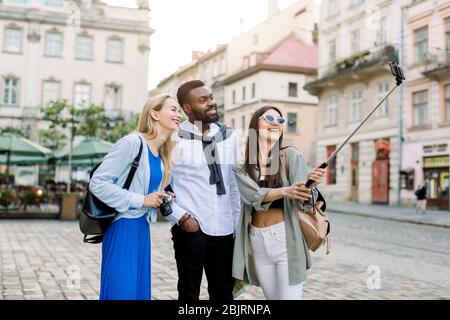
(180, 223)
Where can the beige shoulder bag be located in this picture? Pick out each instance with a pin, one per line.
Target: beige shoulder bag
(314, 223)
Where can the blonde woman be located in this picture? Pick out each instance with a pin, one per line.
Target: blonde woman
(126, 259)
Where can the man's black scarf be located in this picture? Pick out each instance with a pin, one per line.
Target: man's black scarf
(211, 153)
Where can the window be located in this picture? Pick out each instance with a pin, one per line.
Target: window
(355, 43)
(331, 113)
(355, 105)
(113, 97)
(114, 50)
(50, 91)
(407, 179)
(253, 90)
(243, 122)
(447, 103)
(332, 8)
(355, 2)
(447, 35)
(292, 122)
(215, 68)
(17, 1)
(331, 170)
(420, 105)
(293, 89)
(53, 44)
(421, 44)
(382, 90)
(10, 91)
(222, 65)
(234, 96)
(332, 51)
(86, 4)
(82, 95)
(382, 31)
(13, 40)
(233, 124)
(243, 93)
(246, 62)
(54, 3)
(84, 47)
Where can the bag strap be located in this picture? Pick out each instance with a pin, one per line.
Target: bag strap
(283, 162)
(93, 239)
(134, 167)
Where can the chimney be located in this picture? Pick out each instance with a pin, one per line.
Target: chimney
(196, 55)
(142, 4)
(273, 7)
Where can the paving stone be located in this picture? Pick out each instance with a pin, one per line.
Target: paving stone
(408, 268)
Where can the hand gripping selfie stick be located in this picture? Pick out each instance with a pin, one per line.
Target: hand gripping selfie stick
(397, 72)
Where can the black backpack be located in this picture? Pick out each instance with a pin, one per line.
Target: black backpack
(95, 215)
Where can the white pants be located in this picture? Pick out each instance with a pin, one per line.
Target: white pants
(271, 262)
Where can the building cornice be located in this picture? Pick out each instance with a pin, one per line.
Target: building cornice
(444, 7)
(272, 101)
(62, 18)
(213, 54)
(336, 137)
(422, 15)
(267, 67)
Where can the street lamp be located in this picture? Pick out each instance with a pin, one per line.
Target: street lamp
(72, 135)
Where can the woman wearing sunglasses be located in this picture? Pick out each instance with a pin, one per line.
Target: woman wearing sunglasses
(270, 250)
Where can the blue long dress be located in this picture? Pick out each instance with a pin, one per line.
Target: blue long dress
(126, 251)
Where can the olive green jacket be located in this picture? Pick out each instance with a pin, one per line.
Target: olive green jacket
(252, 197)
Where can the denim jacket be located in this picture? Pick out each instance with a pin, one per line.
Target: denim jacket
(108, 180)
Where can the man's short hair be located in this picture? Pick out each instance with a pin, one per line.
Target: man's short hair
(185, 89)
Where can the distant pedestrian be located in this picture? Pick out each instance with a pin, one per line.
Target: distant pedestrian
(421, 194)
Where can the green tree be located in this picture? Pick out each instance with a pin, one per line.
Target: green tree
(121, 128)
(18, 131)
(86, 121)
(91, 120)
(58, 113)
(52, 138)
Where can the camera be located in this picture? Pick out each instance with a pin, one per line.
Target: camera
(165, 208)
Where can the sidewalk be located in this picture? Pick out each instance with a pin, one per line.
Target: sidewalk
(438, 218)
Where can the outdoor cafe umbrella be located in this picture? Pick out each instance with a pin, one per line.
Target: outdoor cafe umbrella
(88, 152)
(15, 149)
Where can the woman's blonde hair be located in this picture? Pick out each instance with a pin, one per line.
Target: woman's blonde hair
(146, 126)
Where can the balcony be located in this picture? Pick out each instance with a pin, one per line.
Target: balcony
(356, 67)
(437, 66)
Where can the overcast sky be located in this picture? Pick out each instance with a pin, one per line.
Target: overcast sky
(185, 25)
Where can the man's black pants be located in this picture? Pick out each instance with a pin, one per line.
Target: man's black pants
(197, 251)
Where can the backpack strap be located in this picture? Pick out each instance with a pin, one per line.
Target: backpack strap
(134, 167)
(93, 239)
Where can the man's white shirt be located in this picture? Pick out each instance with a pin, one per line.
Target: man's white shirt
(217, 215)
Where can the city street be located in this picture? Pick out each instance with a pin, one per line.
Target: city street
(370, 259)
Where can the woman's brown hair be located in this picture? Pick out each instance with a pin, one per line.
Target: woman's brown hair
(251, 155)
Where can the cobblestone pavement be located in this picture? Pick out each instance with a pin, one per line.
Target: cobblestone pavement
(46, 259)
